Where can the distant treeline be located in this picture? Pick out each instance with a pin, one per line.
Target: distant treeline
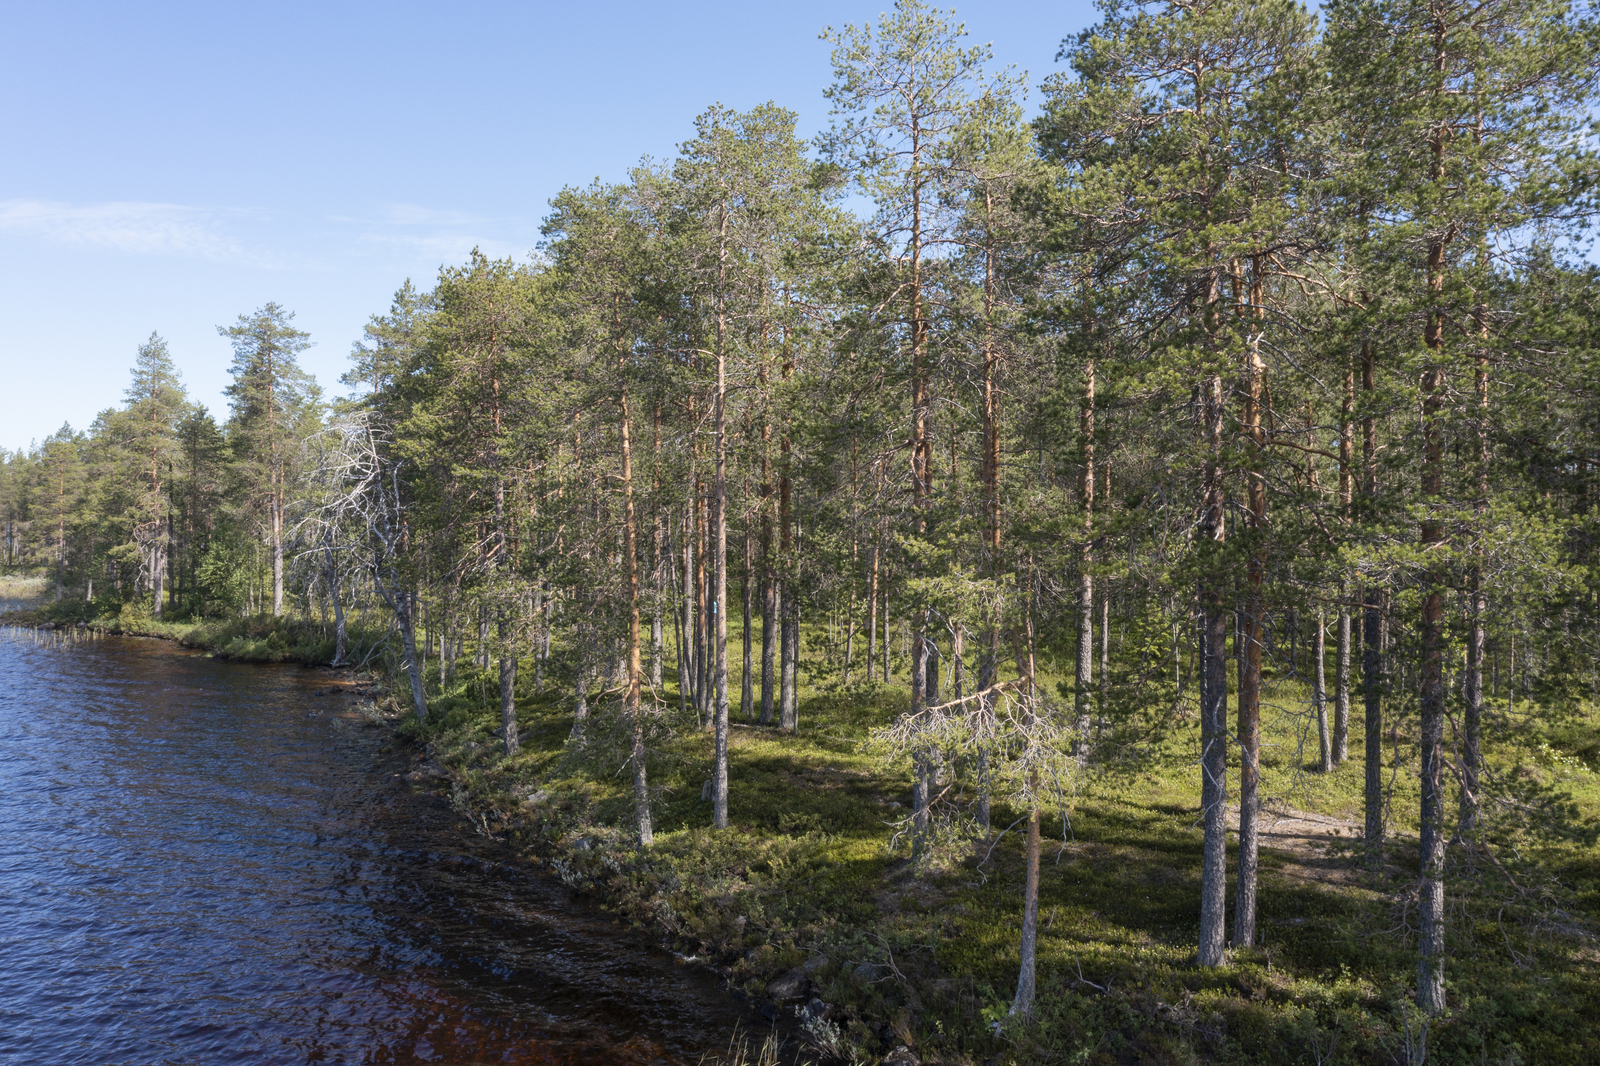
(1264, 344)
(156, 502)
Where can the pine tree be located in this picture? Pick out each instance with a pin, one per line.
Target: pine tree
(900, 97)
(1476, 107)
(1165, 131)
(199, 493)
(61, 483)
(601, 252)
(155, 403)
(271, 398)
(747, 201)
(464, 424)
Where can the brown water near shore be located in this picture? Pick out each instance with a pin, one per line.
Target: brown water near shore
(208, 862)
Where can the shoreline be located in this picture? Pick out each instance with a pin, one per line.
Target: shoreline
(429, 778)
(258, 639)
(542, 856)
(808, 916)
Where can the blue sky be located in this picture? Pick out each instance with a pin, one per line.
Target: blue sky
(170, 166)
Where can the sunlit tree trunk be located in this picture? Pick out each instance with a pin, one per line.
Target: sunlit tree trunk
(789, 643)
(1213, 699)
(872, 611)
(704, 567)
(1477, 605)
(1372, 636)
(659, 569)
(1319, 696)
(855, 567)
(1244, 931)
(1341, 700)
(277, 553)
(1083, 682)
(1430, 680)
(719, 592)
(686, 646)
(771, 597)
(631, 708)
(746, 673)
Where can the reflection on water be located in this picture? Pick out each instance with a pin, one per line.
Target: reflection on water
(207, 862)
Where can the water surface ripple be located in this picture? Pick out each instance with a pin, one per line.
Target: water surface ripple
(207, 862)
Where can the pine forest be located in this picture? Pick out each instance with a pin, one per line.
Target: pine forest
(1117, 585)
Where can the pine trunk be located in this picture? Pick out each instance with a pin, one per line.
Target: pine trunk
(1341, 682)
(158, 571)
(1083, 682)
(1430, 673)
(747, 709)
(339, 634)
(1244, 931)
(408, 639)
(719, 595)
(1373, 636)
(1477, 608)
(508, 690)
(631, 708)
(580, 696)
(1341, 705)
(1319, 649)
(657, 623)
(887, 676)
(789, 709)
(771, 606)
(659, 568)
(1022, 1006)
(1372, 669)
(789, 620)
(686, 649)
(704, 565)
(872, 614)
(1213, 703)
(277, 556)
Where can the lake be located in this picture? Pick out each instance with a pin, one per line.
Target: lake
(206, 862)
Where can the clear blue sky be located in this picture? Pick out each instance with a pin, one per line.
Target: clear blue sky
(169, 166)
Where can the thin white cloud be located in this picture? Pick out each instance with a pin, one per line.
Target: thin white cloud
(441, 247)
(418, 215)
(126, 226)
(420, 236)
(407, 235)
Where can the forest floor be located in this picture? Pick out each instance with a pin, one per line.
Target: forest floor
(810, 905)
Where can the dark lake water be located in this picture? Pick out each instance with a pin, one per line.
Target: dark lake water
(206, 862)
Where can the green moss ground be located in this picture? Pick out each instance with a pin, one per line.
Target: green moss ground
(806, 871)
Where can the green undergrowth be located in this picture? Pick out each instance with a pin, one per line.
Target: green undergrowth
(811, 875)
